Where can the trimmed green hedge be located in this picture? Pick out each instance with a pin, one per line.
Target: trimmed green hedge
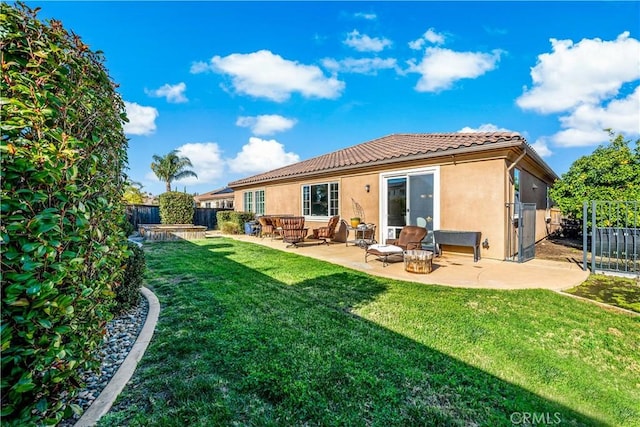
(176, 208)
(237, 218)
(63, 153)
(128, 292)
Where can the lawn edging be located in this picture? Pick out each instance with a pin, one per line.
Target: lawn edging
(105, 400)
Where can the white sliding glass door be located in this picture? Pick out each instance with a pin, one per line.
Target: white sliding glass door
(409, 198)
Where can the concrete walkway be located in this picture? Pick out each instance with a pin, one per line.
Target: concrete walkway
(449, 269)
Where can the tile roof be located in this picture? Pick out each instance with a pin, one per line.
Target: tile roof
(220, 193)
(387, 149)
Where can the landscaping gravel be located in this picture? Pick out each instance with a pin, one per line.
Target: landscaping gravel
(120, 336)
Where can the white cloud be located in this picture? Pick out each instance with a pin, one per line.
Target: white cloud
(429, 36)
(199, 67)
(541, 147)
(589, 71)
(261, 155)
(207, 162)
(364, 43)
(173, 93)
(487, 127)
(584, 125)
(360, 65)
(265, 75)
(440, 68)
(367, 16)
(142, 120)
(267, 124)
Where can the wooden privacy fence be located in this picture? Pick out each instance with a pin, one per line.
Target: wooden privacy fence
(150, 214)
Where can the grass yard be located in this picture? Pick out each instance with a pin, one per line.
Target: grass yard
(254, 336)
(619, 291)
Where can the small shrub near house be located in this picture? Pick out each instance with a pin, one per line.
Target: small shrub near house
(63, 250)
(229, 227)
(232, 222)
(176, 208)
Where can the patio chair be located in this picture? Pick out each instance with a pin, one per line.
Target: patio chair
(293, 231)
(326, 232)
(266, 226)
(410, 238)
(277, 227)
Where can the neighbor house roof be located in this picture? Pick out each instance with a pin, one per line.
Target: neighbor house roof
(395, 148)
(220, 193)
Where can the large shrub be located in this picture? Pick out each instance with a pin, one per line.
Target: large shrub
(610, 173)
(176, 208)
(63, 155)
(128, 292)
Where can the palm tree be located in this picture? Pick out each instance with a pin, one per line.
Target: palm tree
(171, 167)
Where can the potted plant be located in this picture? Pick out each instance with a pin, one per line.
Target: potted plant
(358, 214)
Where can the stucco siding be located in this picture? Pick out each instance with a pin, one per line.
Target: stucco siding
(472, 198)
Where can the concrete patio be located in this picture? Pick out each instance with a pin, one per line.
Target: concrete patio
(449, 269)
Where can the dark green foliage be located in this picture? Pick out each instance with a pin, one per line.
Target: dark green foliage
(63, 159)
(176, 208)
(610, 173)
(128, 293)
(238, 218)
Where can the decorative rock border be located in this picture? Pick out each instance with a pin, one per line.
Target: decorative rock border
(105, 400)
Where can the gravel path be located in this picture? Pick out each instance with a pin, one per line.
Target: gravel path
(120, 337)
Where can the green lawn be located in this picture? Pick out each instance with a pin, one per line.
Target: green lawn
(619, 291)
(253, 336)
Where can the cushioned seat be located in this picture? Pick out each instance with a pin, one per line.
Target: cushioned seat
(293, 231)
(410, 238)
(266, 226)
(383, 252)
(327, 232)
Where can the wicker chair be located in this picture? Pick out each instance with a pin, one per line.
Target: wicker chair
(266, 226)
(293, 231)
(277, 227)
(326, 232)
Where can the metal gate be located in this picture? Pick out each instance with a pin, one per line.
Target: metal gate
(612, 231)
(521, 239)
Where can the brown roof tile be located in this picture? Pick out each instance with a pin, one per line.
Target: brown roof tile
(395, 146)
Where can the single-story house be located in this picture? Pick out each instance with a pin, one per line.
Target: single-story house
(456, 181)
(222, 198)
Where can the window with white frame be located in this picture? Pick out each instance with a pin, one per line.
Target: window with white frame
(259, 202)
(254, 202)
(248, 201)
(320, 200)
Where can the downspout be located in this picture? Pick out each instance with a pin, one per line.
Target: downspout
(507, 186)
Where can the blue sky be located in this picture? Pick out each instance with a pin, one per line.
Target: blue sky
(244, 87)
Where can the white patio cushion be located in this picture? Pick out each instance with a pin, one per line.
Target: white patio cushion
(386, 249)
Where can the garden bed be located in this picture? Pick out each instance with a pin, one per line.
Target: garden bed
(169, 232)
